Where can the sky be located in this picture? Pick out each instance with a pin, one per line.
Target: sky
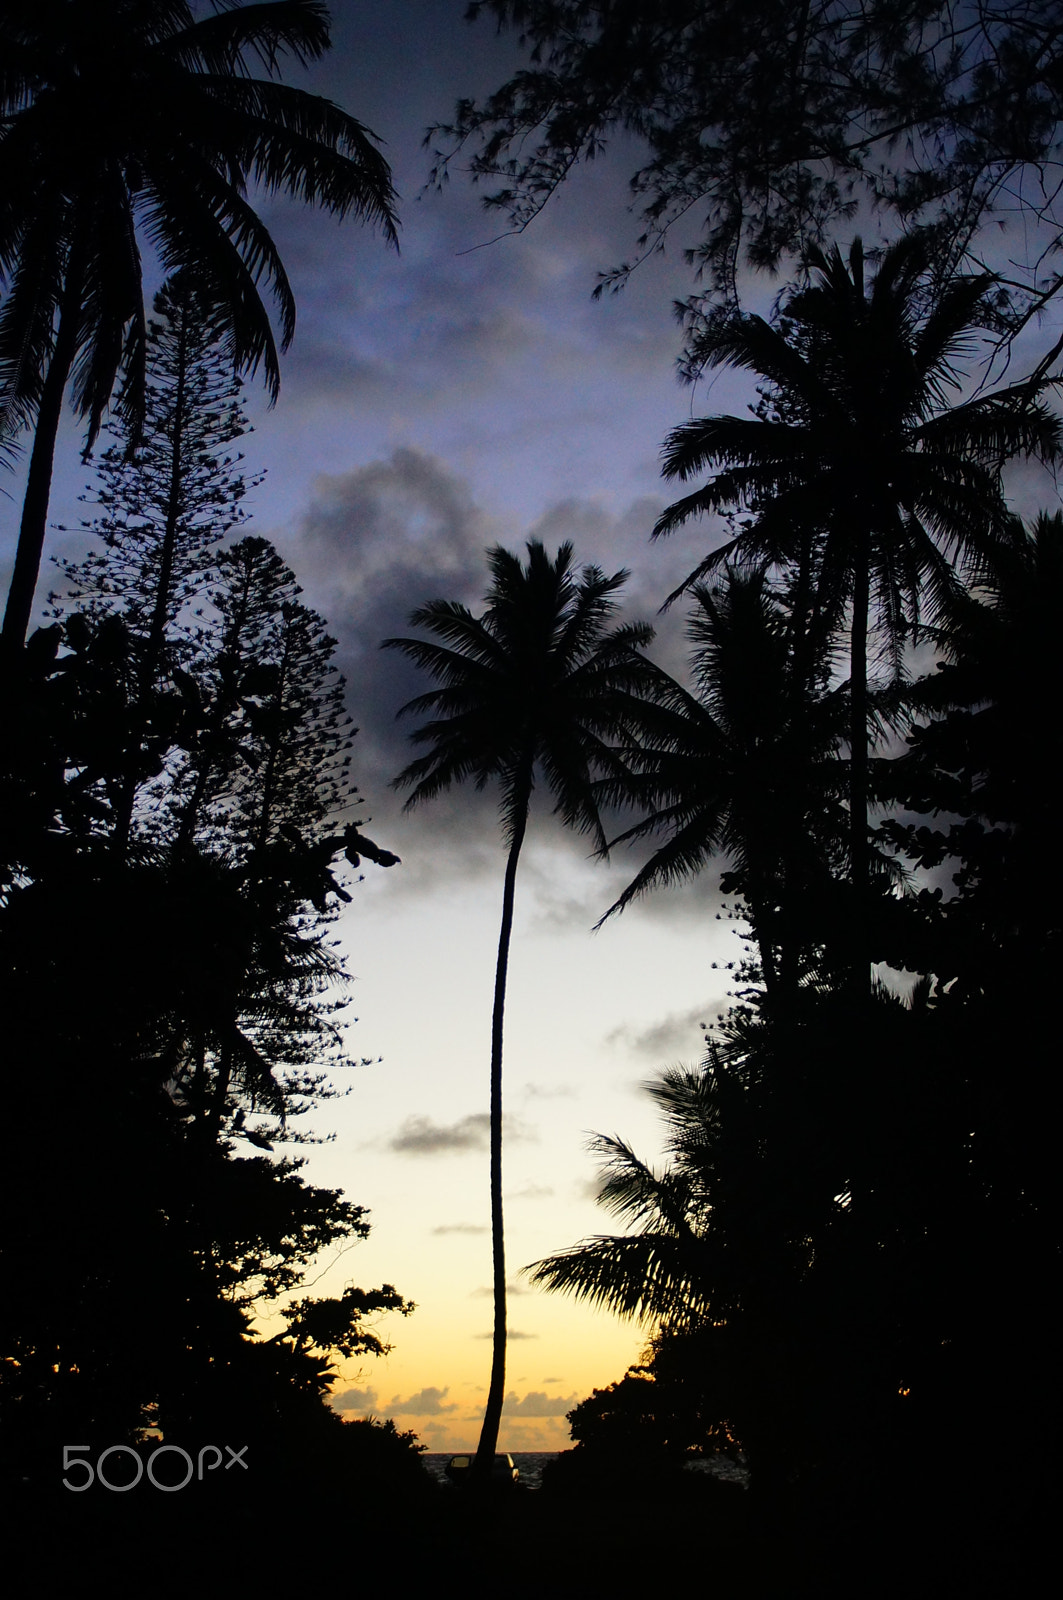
(463, 392)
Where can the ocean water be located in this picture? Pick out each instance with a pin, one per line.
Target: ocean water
(532, 1462)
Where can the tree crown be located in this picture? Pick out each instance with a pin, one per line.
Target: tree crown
(539, 680)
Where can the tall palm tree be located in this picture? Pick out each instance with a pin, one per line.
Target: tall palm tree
(125, 120)
(857, 449)
(539, 685)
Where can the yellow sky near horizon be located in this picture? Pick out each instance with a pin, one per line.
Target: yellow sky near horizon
(589, 1018)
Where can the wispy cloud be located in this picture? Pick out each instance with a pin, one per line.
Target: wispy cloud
(461, 1227)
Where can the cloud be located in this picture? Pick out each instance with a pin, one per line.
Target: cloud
(420, 1136)
(549, 1091)
(427, 1402)
(511, 1288)
(372, 545)
(355, 1400)
(461, 1227)
(537, 1404)
(511, 1334)
(679, 1033)
(437, 1431)
(531, 1191)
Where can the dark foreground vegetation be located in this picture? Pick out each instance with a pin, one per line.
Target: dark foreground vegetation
(377, 1530)
(175, 792)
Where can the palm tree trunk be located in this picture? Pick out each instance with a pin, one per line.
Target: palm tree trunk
(485, 1450)
(859, 853)
(39, 485)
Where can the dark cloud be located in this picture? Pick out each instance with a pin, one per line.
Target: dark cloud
(420, 1136)
(538, 1404)
(373, 544)
(680, 1033)
(427, 1402)
(380, 540)
(355, 1400)
(461, 1227)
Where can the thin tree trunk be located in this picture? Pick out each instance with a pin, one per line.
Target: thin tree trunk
(485, 1450)
(39, 484)
(859, 852)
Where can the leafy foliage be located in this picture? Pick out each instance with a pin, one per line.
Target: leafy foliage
(863, 484)
(774, 124)
(537, 681)
(133, 121)
(854, 1223)
(141, 113)
(179, 777)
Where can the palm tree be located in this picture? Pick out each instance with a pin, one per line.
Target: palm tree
(662, 1269)
(744, 767)
(130, 119)
(984, 752)
(539, 684)
(857, 459)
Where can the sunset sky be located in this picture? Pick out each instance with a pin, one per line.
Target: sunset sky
(461, 393)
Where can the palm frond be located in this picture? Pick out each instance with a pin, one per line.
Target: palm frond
(644, 1276)
(540, 681)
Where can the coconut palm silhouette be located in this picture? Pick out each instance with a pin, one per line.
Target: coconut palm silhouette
(125, 121)
(857, 465)
(541, 685)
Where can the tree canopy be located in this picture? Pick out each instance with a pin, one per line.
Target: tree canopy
(771, 123)
(178, 764)
(133, 122)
